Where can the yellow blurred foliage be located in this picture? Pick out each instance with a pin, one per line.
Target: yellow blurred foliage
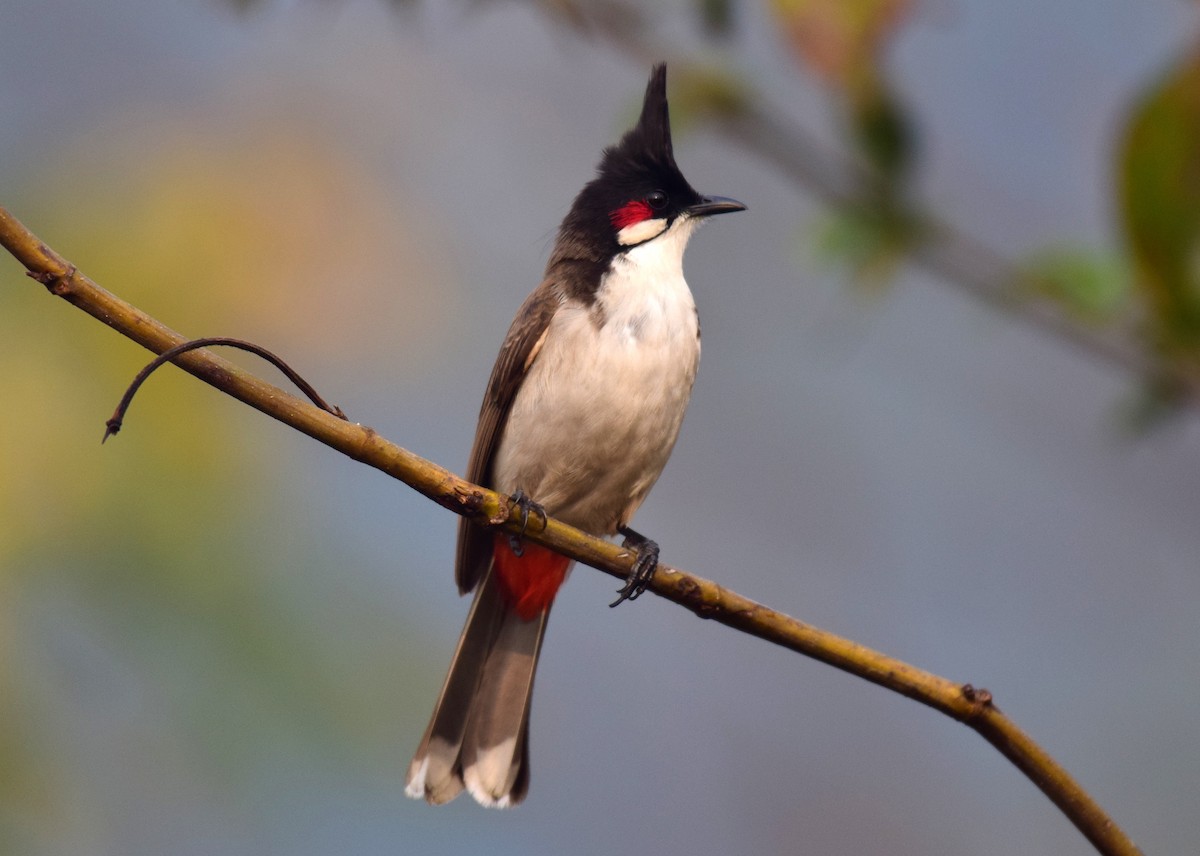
(172, 538)
(266, 225)
(261, 227)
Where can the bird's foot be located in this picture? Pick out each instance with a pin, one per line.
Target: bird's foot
(643, 569)
(527, 505)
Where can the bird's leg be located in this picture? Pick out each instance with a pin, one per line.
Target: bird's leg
(523, 502)
(643, 569)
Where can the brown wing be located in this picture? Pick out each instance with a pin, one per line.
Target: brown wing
(517, 354)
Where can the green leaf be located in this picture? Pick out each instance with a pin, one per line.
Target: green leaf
(716, 16)
(883, 132)
(704, 92)
(868, 242)
(1093, 286)
(1160, 203)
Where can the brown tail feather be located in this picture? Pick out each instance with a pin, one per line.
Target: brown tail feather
(478, 735)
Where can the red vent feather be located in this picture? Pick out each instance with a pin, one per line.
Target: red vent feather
(528, 582)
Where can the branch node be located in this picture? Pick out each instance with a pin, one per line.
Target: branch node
(57, 284)
(500, 516)
(470, 501)
(691, 595)
(980, 699)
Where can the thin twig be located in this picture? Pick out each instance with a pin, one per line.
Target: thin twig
(113, 425)
(703, 597)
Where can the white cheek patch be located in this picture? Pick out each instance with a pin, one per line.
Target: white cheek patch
(636, 233)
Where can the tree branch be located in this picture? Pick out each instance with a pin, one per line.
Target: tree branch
(942, 249)
(703, 597)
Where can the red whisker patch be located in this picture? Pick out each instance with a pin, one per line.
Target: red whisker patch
(630, 213)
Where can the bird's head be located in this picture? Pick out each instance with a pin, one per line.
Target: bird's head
(639, 193)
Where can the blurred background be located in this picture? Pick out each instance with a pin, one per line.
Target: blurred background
(219, 637)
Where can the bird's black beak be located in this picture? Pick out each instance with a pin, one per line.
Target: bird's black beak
(710, 205)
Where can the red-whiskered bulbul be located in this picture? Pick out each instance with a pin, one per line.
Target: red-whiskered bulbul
(580, 414)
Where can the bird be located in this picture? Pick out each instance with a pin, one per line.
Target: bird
(581, 412)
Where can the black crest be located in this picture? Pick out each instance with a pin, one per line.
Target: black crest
(650, 138)
(641, 163)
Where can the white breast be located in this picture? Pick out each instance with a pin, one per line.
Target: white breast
(593, 424)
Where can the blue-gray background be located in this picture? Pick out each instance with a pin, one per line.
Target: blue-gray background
(217, 637)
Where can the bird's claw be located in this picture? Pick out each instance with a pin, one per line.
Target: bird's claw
(523, 502)
(643, 568)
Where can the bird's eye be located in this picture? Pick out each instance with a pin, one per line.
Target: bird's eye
(657, 200)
